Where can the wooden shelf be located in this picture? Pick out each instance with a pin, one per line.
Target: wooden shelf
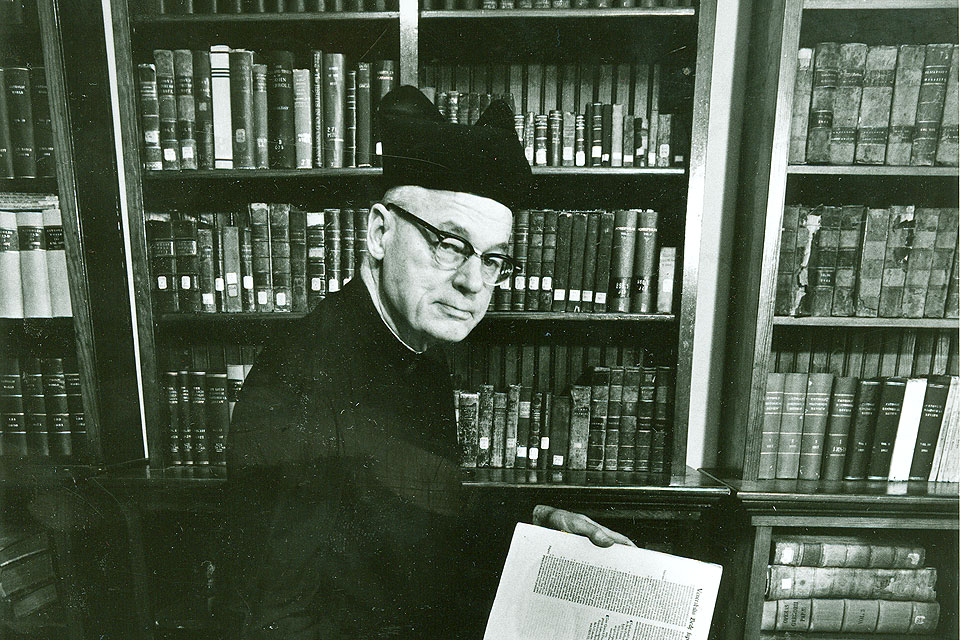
(865, 323)
(609, 171)
(28, 185)
(493, 14)
(261, 18)
(870, 170)
(797, 635)
(686, 481)
(879, 4)
(191, 320)
(364, 172)
(579, 317)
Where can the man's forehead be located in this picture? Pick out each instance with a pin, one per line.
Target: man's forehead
(435, 201)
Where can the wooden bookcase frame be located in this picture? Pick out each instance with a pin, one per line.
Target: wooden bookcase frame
(775, 39)
(410, 21)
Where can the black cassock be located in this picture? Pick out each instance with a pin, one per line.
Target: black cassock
(342, 462)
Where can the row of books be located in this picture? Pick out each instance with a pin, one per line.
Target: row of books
(235, 7)
(619, 420)
(33, 262)
(449, 5)
(589, 261)
(217, 109)
(818, 425)
(875, 105)
(849, 585)
(867, 352)
(636, 89)
(27, 576)
(26, 131)
(41, 406)
(198, 394)
(854, 261)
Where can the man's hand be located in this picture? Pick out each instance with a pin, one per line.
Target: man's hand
(578, 523)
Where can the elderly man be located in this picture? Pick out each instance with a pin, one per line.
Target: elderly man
(343, 444)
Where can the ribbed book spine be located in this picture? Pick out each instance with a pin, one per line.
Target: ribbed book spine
(318, 84)
(870, 274)
(280, 120)
(222, 109)
(861, 430)
(919, 262)
(873, 126)
(280, 256)
(902, 223)
(783, 305)
(467, 428)
(579, 427)
(350, 119)
(167, 98)
(35, 408)
(262, 267)
(364, 115)
(903, 110)
(823, 268)
(162, 265)
(331, 243)
(20, 112)
(298, 261)
(204, 109)
(948, 145)
(198, 416)
(548, 259)
(933, 87)
(803, 85)
(241, 103)
(207, 257)
(646, 408)
(316, 259)
(186, 108)
(848, 258)
(644, 265)
(826, 71)
(55, 401)
(302, 118)
(604, 251)
(521, 237)
(6, 150)
(334, 102)
(624, 241)
(846, 102)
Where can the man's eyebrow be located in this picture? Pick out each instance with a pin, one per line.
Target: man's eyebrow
(453, 227)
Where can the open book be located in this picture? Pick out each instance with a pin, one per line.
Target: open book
(559, 586)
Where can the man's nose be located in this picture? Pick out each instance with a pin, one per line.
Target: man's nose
(467, 277)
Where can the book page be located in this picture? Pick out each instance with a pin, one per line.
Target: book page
(560, 586)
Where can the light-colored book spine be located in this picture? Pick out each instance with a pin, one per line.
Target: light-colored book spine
(222, 111)
(57, 263)
(802, 87)
(35, 284)
(11, 296)
(303, 118)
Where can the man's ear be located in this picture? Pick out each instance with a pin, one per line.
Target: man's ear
(378, 224)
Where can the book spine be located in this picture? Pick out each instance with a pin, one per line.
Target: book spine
(499, 430)
(203, 109)
(510, 426)
(467, 428)
(364, 155)
(334, 103)
(660, 447)
(6, 144)
(536, 429)
(919, 262)
(949, 140)
(347, 241)
(261, 135)
(149, 118)
(579, 427)
(578, 238)
(644, 265)
(629, 148)
(874, 120)
(889, 406)
(232, 283)
(198, 417)
(302, 117)
(207, 277)
(783, 304)
(186, 107)
(826, 73)
(802, 88)
(534, 260)
(933, 87)
(561, 269)
(627, 449)
(848, 257)
(316, 258)
(332, 247)
(770, 430)
(548, 258)
(599, 398)
(260, 244)
(838, 427)
(791, 425)
(666, 276)
(280, 121)
(870, 274)
(280, 256)
(846, 104)
(815, 415)
(218, 416)
(241, 104)
(823, 269)
(941, 266)
(646, 407)
(902, 222)
(928, 431)
(611, 442)
(55, 406)
(350, 119)
(903, 110)
(485, 425)
(35, 408)
(167, 100)
(624, 241)
(298, 261)
(57, 274)
(33, 265)
(11, 292)
(591, 245)
(171, 415)
(862, 428)
(221, 107)
(841, 582)
(163, 266)
(521, 238)
(907, 428)
(604, 251)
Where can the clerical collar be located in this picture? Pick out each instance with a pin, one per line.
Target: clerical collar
(375, 297)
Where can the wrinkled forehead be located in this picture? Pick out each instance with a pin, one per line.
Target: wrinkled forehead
(438, 207)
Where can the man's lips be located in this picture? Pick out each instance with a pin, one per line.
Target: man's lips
(456, 312)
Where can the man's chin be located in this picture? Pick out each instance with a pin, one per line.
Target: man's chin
(450, 330)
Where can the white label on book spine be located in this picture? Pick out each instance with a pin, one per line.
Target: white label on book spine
(316, 284)
(170, 154)
(574, 295)
(281, 299)
(151, 137)
(534, 283)
(347, 279)
(588, 296)
(511, 443)
(533, 453)
(913, 559)
(505, 285)
(567, 154)
(185, 282)
(546, 284)
(559, 295)
(581, 159)
(208, 298)
(541, 157)
(187, 153)
(218, 284)
(484, 442)
(786, 583)
(262, 297)
(545, 442)
(519, 283)
(162, 282)
(521, 452)
(248, 282)
(524, 408)
(557, 460)
(232, 278)
(787, 556)
(333, 285)
(601, 297)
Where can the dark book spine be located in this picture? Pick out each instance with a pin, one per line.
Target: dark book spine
(35, 407)
(347, 240)
(606, 135)
(931, 421)
(561, 267)
(241, 104)
(510, 428)
(770, 430)
(791, 425)
(203, 107)
(536, 428)
(298, 261)
(280, 256)
(163, 265)
(604, 251)
(534, 260)
(171, 416)
(318, 83)
(6, 145)
(521, 238)
(248, 292)
(862, 426)
(816, 413)
(78, 423)
(280, 125)
(578, 238)
(186, 108)
(595, 123)
(885, 430)
(232, 270)
(188, 265)
(624, 241)
(334, 103)
(316, 263)
(783, 305)
(580, 142)
(13, 412)
(591, 246)
(548, 258)
(644, 263)
(350, 119)
(218, 416)
(933, 86)
(559, 431)
(20, 112)
(579, 427)
(468, 419)
(184, 417)
(823, 271)
(555, 138)
(206, 250)
(826, 73)
(167, 97)
(646, 408)
(599, 399)
(846, 102)
(262, 267)
(199, 434)
(627, 446)
(331, 242)
(838, 427)
(42, 125)
(364, 115)
(611, 442)
(660, 443)
(261, 134)
(385, 72)
(55, 401)
(499, 429)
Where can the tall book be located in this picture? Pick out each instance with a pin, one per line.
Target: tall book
(783, 304)
(203, 108)
(873, 125)
(222, 109)
(933, 87)
(6, 151)
(149, 119)
(561, 268)
(901, 225)
(261, 134)
(163, 266)
(57, 273)
(903, 110)
(241, 105)
(534, 260)
(942, 263)
(11, 293)
(281, 130)
(873, 250)
(770, 428)
(55, 405)
(467, 428)
(548, 258)
(890, 404)
(521, 237)
(848, 259)
(186, 107)
(350, 119)
(207, 277)
(334, 103)
(232, 270)
(578, 235)
(262, 267)
(919, 262)
(303, 118)
(949, 140)
(791, 425)
(316, 259)
(646, 408)
(364, 154)
(498, 433)
(802, 88)
(611, 443)
(167, 99)
(826, 71)
(332, 249)
(217, 410)
(624, 241)
(666, 276)
(644, 263)
(838, 427)
(846, 102)
(599, 398)
(627, 450)
(280, 256)
(485, 425)
(604, 249)
(823, 268)
(35, 288)
(510, 426)
(816, 413)
(35, 407)
(901, 456)
(590, 262)
(862, 427)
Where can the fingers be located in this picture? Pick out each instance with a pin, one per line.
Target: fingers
(579, 524)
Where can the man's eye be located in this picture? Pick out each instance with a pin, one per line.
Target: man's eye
(452, 246)
(493, 263)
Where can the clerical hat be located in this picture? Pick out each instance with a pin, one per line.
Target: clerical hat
(420, 148)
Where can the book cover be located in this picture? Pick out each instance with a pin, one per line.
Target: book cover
(281, 131)
(468, 429)
(347, 241)
(626, 451)
(826, 71)
(217, 411)
(561, 268)
(903, 110)
(624, 241)
(848, 259)
(800, 114)
(949, 140)
(816, 412)
(848, 615)
(203, 108)
(35, 407)
(316, 258)
(611, 443)
(206, 251)
(149, 121)
(942, 264)
(55, 406)
(221, 107)
(364, 136)
(889, 406)
(862, 428)
(160, 245)
(644, 264)
(34, 281)
(928, 429)
(167, 100)
(933, 87)
(334, 109)
(873, 124)
(791, 424)
(332, 247)
(900, 235)
(838, 427)
(660, 451)
(873, 250)
(560, 407)
(186, 107)
(846, 551)
(770, 428)
(350, 119)
(665, 128)
(908, 426)
(536, 429)
(919, 262)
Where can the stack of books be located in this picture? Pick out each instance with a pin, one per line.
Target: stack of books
(574, 115)
(26, 131)
(221, 109)
(33, 263)
(28, 588)
(41, 406)
(266, 6)
(619, 419)
(897, 262)
(198, 393)
(818, 426)
(875, 105)
(552, 4)
(849, 585)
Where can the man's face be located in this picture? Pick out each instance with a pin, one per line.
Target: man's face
(430, 303)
